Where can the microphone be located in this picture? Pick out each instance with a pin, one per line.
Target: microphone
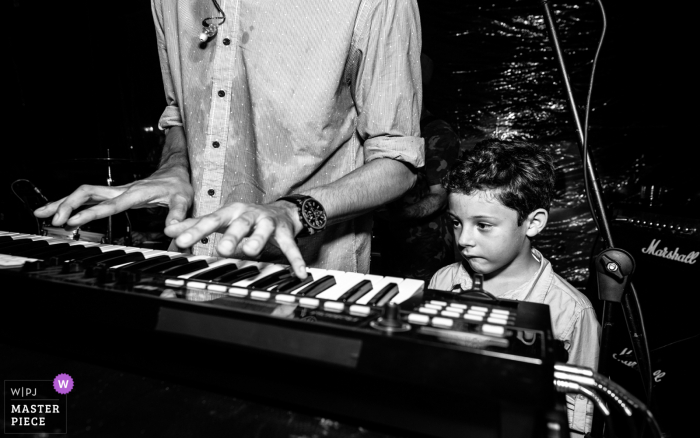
(209, 30)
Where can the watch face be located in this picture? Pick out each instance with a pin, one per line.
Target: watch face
(314, 214)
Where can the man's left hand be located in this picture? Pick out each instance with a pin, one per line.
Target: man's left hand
(275, 223)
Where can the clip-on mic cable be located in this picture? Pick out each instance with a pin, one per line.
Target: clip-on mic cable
(210, 29)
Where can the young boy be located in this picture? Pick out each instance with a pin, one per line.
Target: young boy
(498, 199)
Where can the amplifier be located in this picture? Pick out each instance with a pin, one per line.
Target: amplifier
(666, 251)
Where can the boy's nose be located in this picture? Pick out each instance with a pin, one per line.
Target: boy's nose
(465, 239)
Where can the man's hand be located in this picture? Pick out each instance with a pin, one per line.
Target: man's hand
(275, 223)
(166, 188)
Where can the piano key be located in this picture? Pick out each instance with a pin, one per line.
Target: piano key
(317, 286)
(148, 254)
(292, 284)
(143, 264)
(343, 282)
(12, 242)
(23, 244)
(75, 252)
(93, 260)
(356, 291)
(61, 243)
(184, 269)
(134, 256)
(154, 269)
(265, 270)
(202, 274)
(9, 261)
(239, 274)
(271, 279)
(378, 284)
(51, 249)
(408, 287)
(384, 295)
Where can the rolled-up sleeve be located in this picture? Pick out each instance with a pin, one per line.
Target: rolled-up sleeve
(172, 115)
(387, 84)
(583, 351)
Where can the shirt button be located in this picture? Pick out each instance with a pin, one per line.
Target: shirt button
(215, 144)
(227, 41)
(211, 192)
(222, 93)
(204, 241)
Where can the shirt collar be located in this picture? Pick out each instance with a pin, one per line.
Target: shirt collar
(534, 290)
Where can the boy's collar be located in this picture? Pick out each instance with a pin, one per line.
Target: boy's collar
(533, 293)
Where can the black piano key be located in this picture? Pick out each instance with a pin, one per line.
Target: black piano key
(23, 245)
(291, 284)
(359, 289)
(143, 264)
(177, 261)
(318, 286)
(185, 269)
(135, 256)
(213, 273)
(45, 252)
(4, 239)
(95, 259)
(75, 253)
(271, 279)
(13, 242)
(238, 275)
(384, 295)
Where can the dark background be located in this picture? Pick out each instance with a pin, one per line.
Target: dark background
(84, 82)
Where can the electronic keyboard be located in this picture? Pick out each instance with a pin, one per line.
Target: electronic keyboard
(382, 351)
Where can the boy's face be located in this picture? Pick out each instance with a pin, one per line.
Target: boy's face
(487, 232)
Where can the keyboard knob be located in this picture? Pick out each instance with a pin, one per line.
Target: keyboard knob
(391, 319)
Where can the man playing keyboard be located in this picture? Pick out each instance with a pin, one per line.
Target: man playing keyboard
(297, 99)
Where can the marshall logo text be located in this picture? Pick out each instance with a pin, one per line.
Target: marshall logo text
(671, 255)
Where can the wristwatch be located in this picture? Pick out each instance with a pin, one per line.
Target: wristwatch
(311, 214)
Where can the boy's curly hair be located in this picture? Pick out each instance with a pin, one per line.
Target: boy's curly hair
(520, 174)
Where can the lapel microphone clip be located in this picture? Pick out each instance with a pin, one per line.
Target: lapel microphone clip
(209, 29)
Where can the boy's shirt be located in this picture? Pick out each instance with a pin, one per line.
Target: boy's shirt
(573, 321)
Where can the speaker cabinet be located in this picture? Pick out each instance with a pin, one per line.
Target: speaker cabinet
(666, 251)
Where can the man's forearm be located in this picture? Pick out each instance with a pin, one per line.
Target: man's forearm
(366, 188)
(423, 208)
(174, 155)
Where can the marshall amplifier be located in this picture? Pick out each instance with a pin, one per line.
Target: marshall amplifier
(666, 251)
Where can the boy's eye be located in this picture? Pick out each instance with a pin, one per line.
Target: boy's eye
(455, 223)
(483, 226)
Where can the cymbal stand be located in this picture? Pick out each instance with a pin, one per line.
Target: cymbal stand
(109, 184)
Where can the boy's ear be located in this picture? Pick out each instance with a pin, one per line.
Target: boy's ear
(536, 221)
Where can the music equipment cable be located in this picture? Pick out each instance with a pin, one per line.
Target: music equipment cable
(25, 202)
(630, 306)
(574, 379)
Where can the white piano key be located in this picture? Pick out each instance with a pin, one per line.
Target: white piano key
(9, 261)
(408, 288)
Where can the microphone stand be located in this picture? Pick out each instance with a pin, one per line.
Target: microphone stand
(615, 264)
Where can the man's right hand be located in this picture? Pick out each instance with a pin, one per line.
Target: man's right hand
(168, 187)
